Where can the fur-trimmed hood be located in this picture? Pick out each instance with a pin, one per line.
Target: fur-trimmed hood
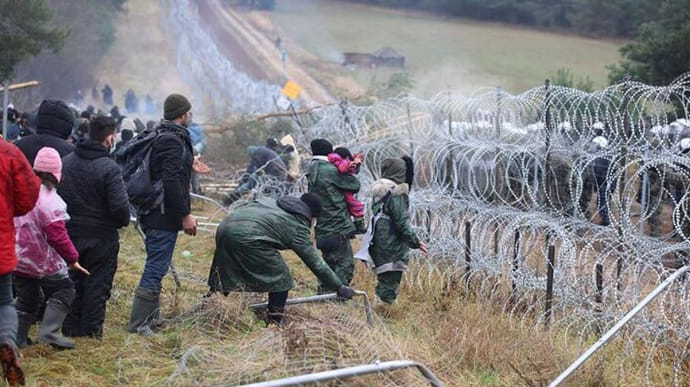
(381, 187)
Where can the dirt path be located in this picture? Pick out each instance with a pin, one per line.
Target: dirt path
(264, 53)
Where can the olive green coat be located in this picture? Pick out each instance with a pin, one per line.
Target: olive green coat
(247, 244)
(326, 181)
(393, 234)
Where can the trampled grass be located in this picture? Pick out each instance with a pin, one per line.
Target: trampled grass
(441, 52)
(436, 322)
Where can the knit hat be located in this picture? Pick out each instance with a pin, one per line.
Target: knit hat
(54, 116)
(48, 160)
(175, 105)
(395, 170)
(127, 124)
(321, 147)
(313, 201)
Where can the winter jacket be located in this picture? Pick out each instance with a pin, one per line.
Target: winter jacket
(95, 194)
(346, 166)
(43, 246)
(326, 181)
(247, 244)
(171, 160)
(266, 161)
(19, 188)
(53, 138)
(393, 234)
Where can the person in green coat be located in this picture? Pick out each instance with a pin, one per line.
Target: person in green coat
(393, 235)
(247, 256)
(334, 227)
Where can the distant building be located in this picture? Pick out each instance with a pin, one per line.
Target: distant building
(386, 57)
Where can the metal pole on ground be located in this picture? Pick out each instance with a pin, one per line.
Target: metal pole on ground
(612, 332)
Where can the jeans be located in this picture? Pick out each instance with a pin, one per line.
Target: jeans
(159, 251)
(8, 315)
(99, 257)
(56, 288)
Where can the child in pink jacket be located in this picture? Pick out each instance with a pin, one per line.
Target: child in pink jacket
(45, 251)
(347, 163)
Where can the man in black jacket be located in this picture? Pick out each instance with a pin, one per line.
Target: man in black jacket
(97, 203)
(171, 162)
(54, 124)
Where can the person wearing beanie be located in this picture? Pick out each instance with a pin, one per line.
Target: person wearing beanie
(334, 227)
(247, 256)
(391, 233)
(171, 161)
(18, 195)
(98, 206)
(54, 125)
(346, 163)
(45, 252)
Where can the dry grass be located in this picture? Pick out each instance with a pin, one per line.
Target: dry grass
(436, 322)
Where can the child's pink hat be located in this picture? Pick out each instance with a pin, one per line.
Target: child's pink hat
(48, 160)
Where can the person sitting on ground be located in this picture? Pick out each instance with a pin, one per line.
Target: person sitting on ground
(18, 195)
(247, 256)
(44, 251)
(349, 164)
(263, 161)
(393, 235)
(98, 205)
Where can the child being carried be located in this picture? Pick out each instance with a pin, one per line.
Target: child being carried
(350, 164)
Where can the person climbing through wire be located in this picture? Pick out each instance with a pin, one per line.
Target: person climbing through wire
(350, 164)
(390, 236)
(247, 257)
(263, 161)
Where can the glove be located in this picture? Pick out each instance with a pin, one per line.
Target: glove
(346, 292)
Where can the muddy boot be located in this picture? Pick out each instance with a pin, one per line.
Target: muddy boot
(24, 322)
(11, 369)
(145, 308)
(49, 333)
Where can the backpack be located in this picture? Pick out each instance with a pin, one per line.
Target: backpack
(134, 161)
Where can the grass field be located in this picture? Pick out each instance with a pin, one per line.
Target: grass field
(442, 52)
(435, 322)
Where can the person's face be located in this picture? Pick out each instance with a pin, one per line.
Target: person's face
(109, 141)
(187, 118)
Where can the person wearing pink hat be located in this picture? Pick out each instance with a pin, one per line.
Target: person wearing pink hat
(44, 252)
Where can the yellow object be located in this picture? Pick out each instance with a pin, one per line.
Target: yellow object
(291, 89)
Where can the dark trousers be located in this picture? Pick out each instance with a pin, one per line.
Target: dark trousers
(276, 307)
(99, 257)
(8, 315)
(55, 288)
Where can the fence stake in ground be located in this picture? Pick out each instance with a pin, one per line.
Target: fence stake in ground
(468, 251)
(549, 284)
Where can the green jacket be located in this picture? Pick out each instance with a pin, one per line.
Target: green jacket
(326, 181)
(393, 234)
(247, 244)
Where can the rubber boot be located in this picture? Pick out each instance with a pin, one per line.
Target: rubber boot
(24, 322)
(51, 326)
(145, 308)
(11, 369)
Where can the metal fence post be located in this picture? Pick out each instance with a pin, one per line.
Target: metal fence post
(549, 284)
(468, 248)
(516, 264)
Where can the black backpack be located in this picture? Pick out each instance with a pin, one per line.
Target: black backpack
(133, 158)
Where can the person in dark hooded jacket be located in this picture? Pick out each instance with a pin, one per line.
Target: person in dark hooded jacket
(247, 244)
(54, 124)
(97, 203)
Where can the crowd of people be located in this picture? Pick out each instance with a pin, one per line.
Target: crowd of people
(67, 193)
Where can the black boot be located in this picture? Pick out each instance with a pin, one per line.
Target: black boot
(49, 333)
(24, 322)
(145, 309)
